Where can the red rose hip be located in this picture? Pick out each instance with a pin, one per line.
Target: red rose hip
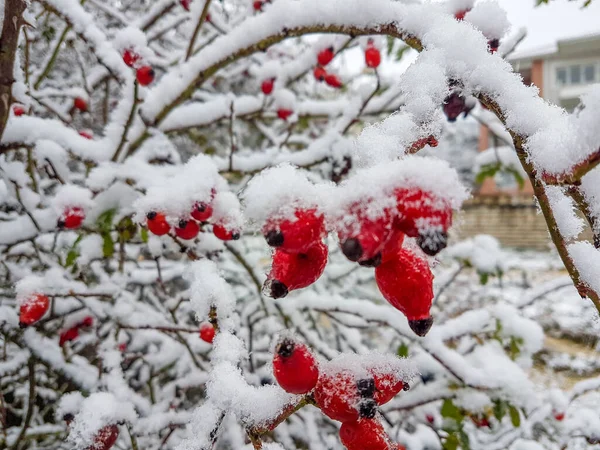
(33, 309)
(157, 223)
(187, 229)
(145, 75)
(207, 332)
(294, 367)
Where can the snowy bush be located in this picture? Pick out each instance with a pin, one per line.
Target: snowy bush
(151, 152)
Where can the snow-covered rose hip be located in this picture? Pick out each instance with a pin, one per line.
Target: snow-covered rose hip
(68, 335)
(319, 73)
(187, 229)
(157, 223)
(225, 234)
(333, 81)
(202, 211)
(33, 309)
(130, 57)
(71, 218)
(406, 282)
(18, 110)
(145, 75)
(365, 434)
(185, 4)
(86, 134)
(387, 386)
(294, 367)
(460, 15)
(80, 104)
(267, 86)
(296, 234)
(325, 56)
(372, 55)
(105, 438)
(207, 332)
(284, 113)
(291, 271)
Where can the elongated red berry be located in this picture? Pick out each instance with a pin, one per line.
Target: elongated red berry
(68, 335)
(423, 216)
(105, 438)
(392, 246)
(157, 223)
(18, 110)
(460, 15)
(225, 234)
(86, 134)
(145, 75)
(333, 81)
(406, 282)
(71, 218)
(295, 236)
(267, 86)
(372, 57)
(291, 271)
(363, 236)
(364, 434)
(80, 104)
(187, 229)
(481, 422)
(325, 56)
(319, 73)
(130, 57)
(202, 211)
(185, 4)
(283, 113)
(387, 386)
(337, 394)
(33, 309)
(207, 332)
(257, 5)
(295, 367)
(87, 322)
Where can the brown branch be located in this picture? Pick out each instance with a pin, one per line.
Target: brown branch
(283, 415)
(30, 403)
(128, 124)
(201, 20)
(9, 41)
(577, 172)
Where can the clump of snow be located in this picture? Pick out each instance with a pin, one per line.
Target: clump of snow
(563, 207)
(227, 211)
(284, 99)
(70, 403)
(483, 252)
(373, 362)
(587, 260)
(52, 282)
(490, 18)
(69, 196)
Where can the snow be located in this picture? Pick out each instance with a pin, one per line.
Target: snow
(483, 252)
(587, 261)
(481, 17)
(569, 225)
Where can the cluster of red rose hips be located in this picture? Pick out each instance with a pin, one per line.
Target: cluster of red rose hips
(349, 393)
(143, 72)
(189, 227)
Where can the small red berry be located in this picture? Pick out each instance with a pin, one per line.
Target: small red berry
(295, 367)
(68, 335)
(372, 57)
(86, 134)
(425, 217)
(157, 223)
(320, 73)
(559, 416)
(145, 75)
(18, 110)
(460, 15)
(87, 322)
(207, 332)
(283, 114)
(325, 56)
(295, 236)
(432, 141)
(80, 104)
(406, 282)
(33, 309)
(481, 422)
(187, 229)
(257, 5)
(105, 438)
(122, 347)
(430, 418)
(72, 218)
(130, 57)
(267, 86)
(333, 81)
(185, 4)
(455, 105)
(337, 394)
(291, 271)
(364, 434)
(224, 234)
(387, 386)
(208, 18)
(202, 211)
(494, 44)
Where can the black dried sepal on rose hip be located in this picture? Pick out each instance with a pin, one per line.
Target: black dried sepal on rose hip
(352, 249)
(285, 348)
(366, 387)
(151, 215)
(274, 238)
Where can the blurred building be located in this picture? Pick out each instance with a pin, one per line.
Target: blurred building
(563, 72)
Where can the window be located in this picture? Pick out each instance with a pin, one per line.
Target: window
(561, 76)
(589, 73)
(575, 72)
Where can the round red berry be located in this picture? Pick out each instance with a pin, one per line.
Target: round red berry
(267, 86)
(333, 81)
(207, 332)
(295, 367)
(68, 335)
(297, 235)
(80, 104)
(364, 434)
(406, 282)
(157, 223)
(33, 309)
(225, 234)
(257, 5)
(72, 218)
(372, 57)
(320, 73)
(187, 229)
(283, 113)
(559, 416)
(291, 271)
(145, 75)
(18, 110)
(202, 211)
(325, 56)
(130, 57)
(87, 322)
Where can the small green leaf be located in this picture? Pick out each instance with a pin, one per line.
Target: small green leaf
(71, 257)
(144, 235)
(390, 44)
(515, 418)
(108, 245)
(127, 229)
(104, 220)
(464, 440)
(487, 171)
(451, 442)
(450, 411)
(515, 347)
(484, 277)
(400, 52)
(403, 350)
(499, 409)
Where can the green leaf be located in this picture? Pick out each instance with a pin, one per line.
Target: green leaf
(451, 442)
(515, 417)
(403, 350)
(144, 235)
(464, 440)
(484, 277)
(71, 257)
(499, 409)
(108, 245)
(104, 220)
(518, 177)
(390, 44)
(487, 171)
(127, 229)
(514, 347)
(450, 411)
(400, 52)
